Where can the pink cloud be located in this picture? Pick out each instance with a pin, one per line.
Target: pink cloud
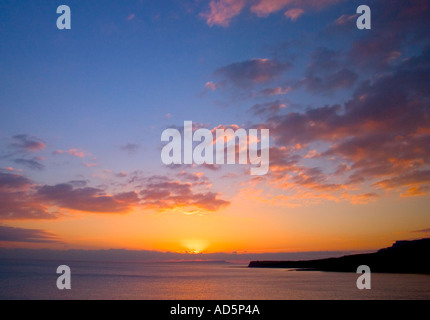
(294, 14)
(345, 19)
(275, 91)
(131, 17)
(222, 11)
(211, 85)
(73, 152)
(28, 143)
(17, 201)
(90, 165)
(265, 7)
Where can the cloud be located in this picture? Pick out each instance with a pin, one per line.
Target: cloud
(397, 28)
(346, 19)
(87, 199)
(33, 164)
(276, 91)
(12, 234)
(90, 164)
(337, 80)
(250, 72)
(414, 191)
(161, 193)
(408, 179)
(213, 167)
(267, 108)
(360, 198)
(78, 183)
(27, 143)
(327, 72)
(294, 14)
(223, 11)
(378, 135)
(73, 152)
(131, 17)
(130, 148)
(17, 200)
(22, 199)
(13, 181)
(211, 86)
(422, 230)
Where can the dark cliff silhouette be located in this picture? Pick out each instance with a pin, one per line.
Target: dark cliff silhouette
(402, 257)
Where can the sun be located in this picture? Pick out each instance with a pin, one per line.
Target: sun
(194, 246)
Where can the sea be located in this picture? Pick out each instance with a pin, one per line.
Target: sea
(36, 279)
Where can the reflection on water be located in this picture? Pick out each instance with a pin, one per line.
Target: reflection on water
(22, 279)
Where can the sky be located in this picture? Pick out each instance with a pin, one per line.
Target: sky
(82, 112)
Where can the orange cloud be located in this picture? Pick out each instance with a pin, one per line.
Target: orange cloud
(415, 191)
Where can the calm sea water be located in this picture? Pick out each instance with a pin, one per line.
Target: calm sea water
(25, 279)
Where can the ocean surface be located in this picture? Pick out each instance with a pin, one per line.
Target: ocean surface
(31, 279)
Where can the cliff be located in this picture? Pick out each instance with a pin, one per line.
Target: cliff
(401, 257)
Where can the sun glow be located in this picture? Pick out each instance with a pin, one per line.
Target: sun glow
(194, 246)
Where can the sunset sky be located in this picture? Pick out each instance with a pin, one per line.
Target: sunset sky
(82, 112)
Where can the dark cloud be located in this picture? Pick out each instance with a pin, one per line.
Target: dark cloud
(313, 178)
(17, 201)
(287, 172)
(422, 230)
(12, 181)
(130, 148)
(27, 143)
(406, 179)
(87, 199)
(327, 72)
(22, 199)
(267, 108)
(213, 167)
(340, 79)
(398, 26)
(78, 183)
(251, 72)
(275, 91)
(33, 164)
(196, 178)
(380, 133)
(27, 235)
(223, 11)
(161, 193)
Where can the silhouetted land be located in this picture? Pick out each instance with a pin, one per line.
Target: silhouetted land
(402, 257)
